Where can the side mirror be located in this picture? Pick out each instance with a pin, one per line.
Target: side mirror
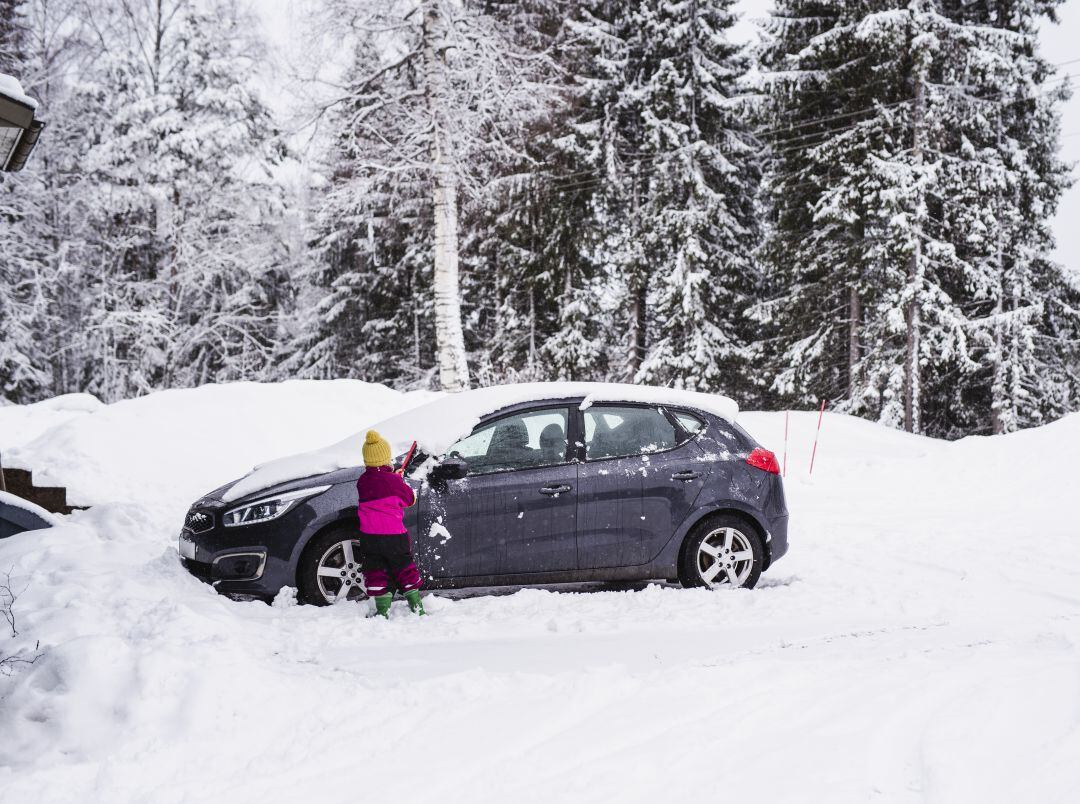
(450, 469)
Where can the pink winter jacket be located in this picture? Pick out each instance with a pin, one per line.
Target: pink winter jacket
(382, 499)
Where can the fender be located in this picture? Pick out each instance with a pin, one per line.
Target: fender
(668, 558)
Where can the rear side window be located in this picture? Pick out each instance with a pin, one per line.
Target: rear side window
(618, 432)
(689, 422)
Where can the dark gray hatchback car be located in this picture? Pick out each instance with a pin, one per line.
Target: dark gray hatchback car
(540, 492)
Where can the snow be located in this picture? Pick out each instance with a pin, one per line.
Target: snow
(176, 445)
(437, 425)
(920, 642)
(10, 86)
(26, 505)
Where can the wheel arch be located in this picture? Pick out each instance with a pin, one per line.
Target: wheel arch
(342, 519)
(730, 508)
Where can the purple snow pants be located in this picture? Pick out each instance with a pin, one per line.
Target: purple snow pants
(383, 557)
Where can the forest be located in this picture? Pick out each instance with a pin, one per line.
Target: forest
(856, 210)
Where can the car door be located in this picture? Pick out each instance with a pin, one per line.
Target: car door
(515, 511)
(641, 475)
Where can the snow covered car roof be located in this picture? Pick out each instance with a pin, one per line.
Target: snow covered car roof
(438, 424)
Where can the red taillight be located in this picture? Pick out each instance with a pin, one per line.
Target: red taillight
(763, 459)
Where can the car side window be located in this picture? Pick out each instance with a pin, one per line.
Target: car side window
(618, 432)
(690, 423)
(526, 440)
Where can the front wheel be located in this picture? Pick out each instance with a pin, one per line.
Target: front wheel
(329, 568)
(722, 551)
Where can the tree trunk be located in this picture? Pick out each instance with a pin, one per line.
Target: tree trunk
(997, 387)
(638, 341)
(854, 348)
(449, 336)
(916, 273)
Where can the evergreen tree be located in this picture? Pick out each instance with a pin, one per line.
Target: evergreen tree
(700, 224)
(887, 135)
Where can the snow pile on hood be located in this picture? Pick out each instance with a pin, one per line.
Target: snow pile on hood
(10, 86)
(440, 423)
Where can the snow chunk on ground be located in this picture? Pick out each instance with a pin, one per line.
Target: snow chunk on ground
(436, 425)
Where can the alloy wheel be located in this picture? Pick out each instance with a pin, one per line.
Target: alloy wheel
(338, 574)
(725, 556)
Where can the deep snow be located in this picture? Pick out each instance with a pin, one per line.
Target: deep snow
(918, 643)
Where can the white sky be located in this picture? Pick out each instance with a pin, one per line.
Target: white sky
(284, 21)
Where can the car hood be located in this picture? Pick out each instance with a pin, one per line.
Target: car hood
(217, 497)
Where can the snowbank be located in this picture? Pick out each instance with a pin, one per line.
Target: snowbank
(925, 624)
(176, 445)
(441, 422)
(21, 424)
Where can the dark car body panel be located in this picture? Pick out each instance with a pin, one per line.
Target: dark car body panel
(621, 518)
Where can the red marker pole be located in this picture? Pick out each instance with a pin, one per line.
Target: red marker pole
(813, 454)
(787, 414)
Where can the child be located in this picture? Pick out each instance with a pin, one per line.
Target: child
(385, 546)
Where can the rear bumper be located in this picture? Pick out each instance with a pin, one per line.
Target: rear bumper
(777, 544)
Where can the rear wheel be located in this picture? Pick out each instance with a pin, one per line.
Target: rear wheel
(329, 568)
(724, 550)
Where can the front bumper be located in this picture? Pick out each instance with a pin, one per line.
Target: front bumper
(248, 562)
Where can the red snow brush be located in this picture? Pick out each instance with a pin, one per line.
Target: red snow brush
(408, 458)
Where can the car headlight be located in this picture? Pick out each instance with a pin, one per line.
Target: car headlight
(268, 508)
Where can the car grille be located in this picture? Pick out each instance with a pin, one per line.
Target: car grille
(199, 521)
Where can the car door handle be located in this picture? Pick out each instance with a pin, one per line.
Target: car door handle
(687, 475)
(553, 490)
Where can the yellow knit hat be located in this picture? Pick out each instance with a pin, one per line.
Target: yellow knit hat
(376, 450)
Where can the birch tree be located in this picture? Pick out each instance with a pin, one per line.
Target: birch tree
(437, 99)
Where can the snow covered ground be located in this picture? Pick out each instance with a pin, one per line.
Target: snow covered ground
(920, 642)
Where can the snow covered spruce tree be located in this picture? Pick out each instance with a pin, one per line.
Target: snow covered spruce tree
(676, 177)
(1024, 317)
(696, 207)
(535, 230)
(432, 106)
(888, 140)
(188, 287)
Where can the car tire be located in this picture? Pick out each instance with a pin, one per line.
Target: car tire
(328, 550)
(734, 551)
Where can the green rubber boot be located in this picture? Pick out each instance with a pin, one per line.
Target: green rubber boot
(415, 605)
(382, 605)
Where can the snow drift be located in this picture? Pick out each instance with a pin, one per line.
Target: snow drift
(920, 642)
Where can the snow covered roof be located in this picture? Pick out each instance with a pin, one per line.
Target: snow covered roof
(34, 516)
(436, 425)
(12, 89)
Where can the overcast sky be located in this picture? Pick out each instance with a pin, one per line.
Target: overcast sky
(284, 24)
